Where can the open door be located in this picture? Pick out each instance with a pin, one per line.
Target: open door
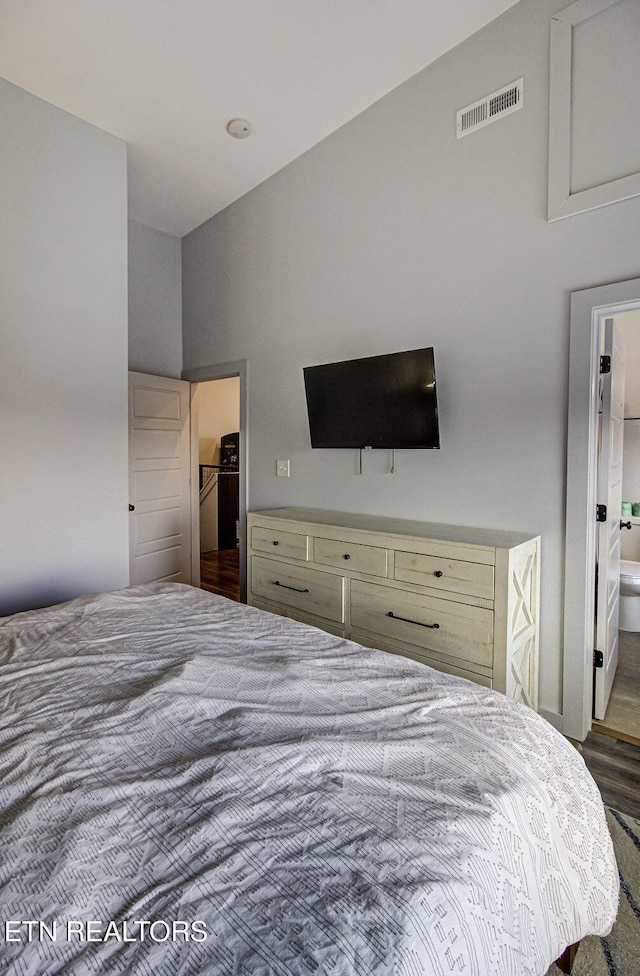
(159, 479)
(610, 496)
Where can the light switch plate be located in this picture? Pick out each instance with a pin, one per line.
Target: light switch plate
(283, 469)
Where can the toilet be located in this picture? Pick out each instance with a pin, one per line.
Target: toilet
(629, 595)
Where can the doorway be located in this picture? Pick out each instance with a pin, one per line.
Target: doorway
(589, 309)
(621, 716)
(215, 406)
(223, 405)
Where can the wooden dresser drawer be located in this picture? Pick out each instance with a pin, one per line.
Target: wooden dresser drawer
(438, 572)
(308, 590)
(449, 665)
(355, 557)
(292, 545)
(454, 629)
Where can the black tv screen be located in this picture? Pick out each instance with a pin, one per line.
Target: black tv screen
(380, 401)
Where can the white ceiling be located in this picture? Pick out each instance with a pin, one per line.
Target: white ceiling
(167, 76)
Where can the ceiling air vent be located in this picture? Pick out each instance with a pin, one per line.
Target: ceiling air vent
(502, 102)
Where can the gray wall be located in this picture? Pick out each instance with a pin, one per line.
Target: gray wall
(392, 235)
(63, 355)
(155, 301)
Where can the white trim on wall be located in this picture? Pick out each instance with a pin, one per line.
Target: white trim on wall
(562, 202)
(588, 309)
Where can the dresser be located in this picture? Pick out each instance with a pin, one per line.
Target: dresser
(462, 600)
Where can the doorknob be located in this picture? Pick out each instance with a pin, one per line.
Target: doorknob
(625, 525)
(132, 508)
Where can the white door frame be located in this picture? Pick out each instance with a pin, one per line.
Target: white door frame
(202, 374)
(588, 310)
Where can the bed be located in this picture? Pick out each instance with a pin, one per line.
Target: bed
(191, 786)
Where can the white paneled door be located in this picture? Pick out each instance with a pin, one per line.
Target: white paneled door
(609, 494)
(159, 479)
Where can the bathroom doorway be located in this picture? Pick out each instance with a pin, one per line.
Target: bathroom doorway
(589, 309)
(621, 716)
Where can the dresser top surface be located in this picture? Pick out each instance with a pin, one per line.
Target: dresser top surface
(491, 538)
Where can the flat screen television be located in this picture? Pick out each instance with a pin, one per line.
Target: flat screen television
(379, 401)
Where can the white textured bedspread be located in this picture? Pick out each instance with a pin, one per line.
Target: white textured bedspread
(192, 786)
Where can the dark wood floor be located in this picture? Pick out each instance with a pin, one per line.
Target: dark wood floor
(220, 572)
(615, 766)
(622, 719)
(612, 748)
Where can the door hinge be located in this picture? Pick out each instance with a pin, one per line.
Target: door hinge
(598, 659)
(605, 364)
(601, 513)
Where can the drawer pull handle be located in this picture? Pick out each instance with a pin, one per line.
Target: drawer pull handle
(275, 542)
(438, 573)
(418, 622)
(346, 556)
(284, 585)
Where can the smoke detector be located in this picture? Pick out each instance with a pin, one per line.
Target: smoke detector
(238, 128)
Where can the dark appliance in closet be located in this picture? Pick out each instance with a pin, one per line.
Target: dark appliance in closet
(228, 491)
